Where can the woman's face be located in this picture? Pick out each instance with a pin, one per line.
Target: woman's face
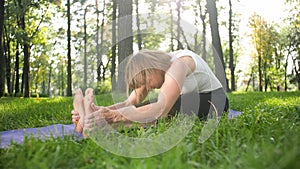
(155, 80)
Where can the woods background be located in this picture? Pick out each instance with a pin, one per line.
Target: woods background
(50, 47)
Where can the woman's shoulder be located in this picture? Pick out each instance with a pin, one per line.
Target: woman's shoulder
(186, 57)
(184, 52)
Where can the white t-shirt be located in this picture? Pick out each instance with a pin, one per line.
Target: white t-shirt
(202, 79)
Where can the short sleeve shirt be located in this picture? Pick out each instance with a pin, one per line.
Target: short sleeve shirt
(202, 79)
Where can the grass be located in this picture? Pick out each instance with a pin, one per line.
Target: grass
(266, 135)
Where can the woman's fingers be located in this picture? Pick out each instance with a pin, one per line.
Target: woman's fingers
(102, 113)
(95, 108)
(75, 116)
(73, 112)
(94, 119)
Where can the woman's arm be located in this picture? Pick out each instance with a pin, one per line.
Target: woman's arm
(169, 92)
(135, 97)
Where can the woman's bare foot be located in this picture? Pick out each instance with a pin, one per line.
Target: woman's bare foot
(79, 107)
(88, 100)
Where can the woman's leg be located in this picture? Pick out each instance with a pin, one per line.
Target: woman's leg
(200, 103)
(220, 101)
(208, 102)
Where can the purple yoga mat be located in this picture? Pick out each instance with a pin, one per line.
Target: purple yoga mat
(54, 131)
(234, 113)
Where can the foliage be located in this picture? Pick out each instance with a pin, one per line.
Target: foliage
(266, 135)
(269, 54)
(46, 32)
(294, 40)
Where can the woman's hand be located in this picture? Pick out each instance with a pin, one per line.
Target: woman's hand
(75, 117)
(102, 117)
(75, 120)
(95, 108)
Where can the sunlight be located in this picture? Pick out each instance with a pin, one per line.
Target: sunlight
(271, 10)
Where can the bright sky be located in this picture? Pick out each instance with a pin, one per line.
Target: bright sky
(271, 10)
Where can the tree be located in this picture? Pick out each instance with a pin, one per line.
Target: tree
(7, 40)
(125, 37)
(294, 40)
(2, 57)
(256, 22)
(179, 44)
(26, 48)
(114, 45)
(69, 60)
(171, 28)
(216, 41)
(271, 47)
(11, 43)
(17, 81)
(139, 35)
(99, 60)
(85, 51)
(100, 46)
(27, 32)
(231, 65)
(203, 13)
(265, 39)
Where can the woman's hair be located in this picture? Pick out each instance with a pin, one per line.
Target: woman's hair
(144, 63)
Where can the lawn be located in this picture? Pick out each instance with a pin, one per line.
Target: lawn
(266, 135)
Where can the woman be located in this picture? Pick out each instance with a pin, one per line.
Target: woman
(186, 84)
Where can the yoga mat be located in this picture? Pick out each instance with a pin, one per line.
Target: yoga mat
(54, 131)
(233, 113)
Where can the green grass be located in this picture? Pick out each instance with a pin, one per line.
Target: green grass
(266, 135)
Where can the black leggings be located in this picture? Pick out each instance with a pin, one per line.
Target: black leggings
(200, 103)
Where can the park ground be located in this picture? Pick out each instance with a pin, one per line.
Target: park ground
(266, 135)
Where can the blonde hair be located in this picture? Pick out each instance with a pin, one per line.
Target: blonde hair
(142, 64)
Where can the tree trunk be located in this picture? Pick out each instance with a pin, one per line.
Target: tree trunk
(114, 45)
(139, 36)
(100, 45)
(26, 50)
(49, 79)
(179, 44)
(69, 60)
(231, 64)
(8, 66)
(202, 17)
(171, 28)
(125, 39)
(265, 76)
(285, 71)
(297, 71)
(62, 78)
(17, 83)
(248, 83)
(97, 43)
(85, 52)
(196, 44)
(6, 46)
(102, 40)
(259, 73)
(22, 84)
(2, 57)
(26, 70)
(105, 69)
(216, 41)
